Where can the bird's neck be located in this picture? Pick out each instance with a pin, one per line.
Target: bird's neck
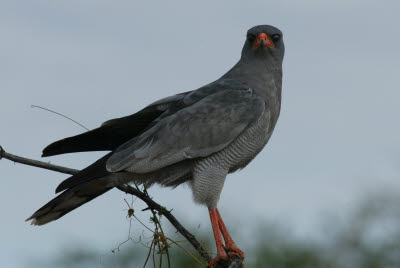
(265, 77)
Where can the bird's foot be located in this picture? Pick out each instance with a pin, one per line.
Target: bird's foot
(222, 259)
(221, 256)
(233, 251)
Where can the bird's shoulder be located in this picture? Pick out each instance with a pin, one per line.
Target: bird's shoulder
(220, 85)
(165, 107)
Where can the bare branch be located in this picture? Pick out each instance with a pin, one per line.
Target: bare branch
(232, 263)
(36, 163)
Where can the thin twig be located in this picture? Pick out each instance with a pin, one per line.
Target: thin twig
(157, 223)
(76, 122)
(152, 204)
(154, 252)
(160, 261)
(184, 249)
(148, 255)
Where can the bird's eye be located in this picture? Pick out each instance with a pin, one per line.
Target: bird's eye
(251, 37)
(275, 37)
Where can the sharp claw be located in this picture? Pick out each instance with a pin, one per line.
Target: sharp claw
(234, 255)
(233, 250)
(214, 261)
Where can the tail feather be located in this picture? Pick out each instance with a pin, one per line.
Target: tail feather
(69, 200)
(94, 171)
(94, 140)
(108, 136)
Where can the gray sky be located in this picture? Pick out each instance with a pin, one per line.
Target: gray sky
(337, 138)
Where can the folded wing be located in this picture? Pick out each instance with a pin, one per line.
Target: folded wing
(198, 130)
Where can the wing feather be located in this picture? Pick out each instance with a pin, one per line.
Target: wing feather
(198, 130)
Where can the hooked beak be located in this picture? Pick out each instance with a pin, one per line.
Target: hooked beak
(263, 41)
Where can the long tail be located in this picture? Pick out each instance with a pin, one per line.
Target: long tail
(108, 136)
(69, 200)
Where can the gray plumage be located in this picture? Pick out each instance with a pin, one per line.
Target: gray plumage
(197, 137)
(203, 128)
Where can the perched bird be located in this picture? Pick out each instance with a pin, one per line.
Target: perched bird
(197, 137)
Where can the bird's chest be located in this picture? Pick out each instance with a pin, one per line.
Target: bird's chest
(246, 146)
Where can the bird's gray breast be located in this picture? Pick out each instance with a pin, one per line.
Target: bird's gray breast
(209, 173)
(247, 145)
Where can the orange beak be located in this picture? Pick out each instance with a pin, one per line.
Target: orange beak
(263, 41)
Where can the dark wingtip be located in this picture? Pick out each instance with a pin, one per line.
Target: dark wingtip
(34, 221)
(44, 154)
(53, 149)
(49, 151)
(60, 188)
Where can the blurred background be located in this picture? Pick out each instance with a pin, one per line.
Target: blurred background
(325, 191)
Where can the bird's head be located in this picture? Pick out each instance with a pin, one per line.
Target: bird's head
(263, 42)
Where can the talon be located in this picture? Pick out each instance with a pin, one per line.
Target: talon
(220, 257)
(233, 250)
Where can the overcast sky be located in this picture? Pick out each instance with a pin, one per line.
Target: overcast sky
(337, 138)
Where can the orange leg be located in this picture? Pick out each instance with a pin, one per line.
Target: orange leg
(221, 254)
(229, 244)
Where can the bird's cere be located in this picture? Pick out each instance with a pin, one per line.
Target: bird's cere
(263, 40)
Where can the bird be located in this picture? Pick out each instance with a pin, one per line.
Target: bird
(197, 137)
